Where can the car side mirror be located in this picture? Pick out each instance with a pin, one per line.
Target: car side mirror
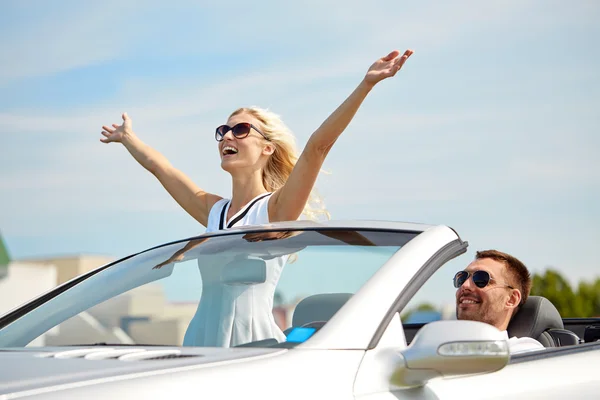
(447, 348)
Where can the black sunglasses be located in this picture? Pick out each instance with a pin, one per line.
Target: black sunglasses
(240, 131)
(480, 278)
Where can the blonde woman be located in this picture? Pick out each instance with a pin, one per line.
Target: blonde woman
(270, 183)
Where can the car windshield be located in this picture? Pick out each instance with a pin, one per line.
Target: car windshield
(245, 288)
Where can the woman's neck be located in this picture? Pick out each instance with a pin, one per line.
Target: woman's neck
(245, 188)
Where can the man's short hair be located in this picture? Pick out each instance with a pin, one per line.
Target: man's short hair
(517, 271)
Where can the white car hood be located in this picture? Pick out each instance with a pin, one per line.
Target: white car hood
(25, 369)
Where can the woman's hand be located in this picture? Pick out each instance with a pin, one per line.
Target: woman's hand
(117, 132)
(175, 258)
(386, 67)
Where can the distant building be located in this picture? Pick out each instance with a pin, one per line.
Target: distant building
(25, 279)
(68, 267)
(20, 281)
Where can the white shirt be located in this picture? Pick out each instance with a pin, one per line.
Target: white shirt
(522, 344)
(255, 212)
(229, 315)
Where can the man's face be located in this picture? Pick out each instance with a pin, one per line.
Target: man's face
(490, 304)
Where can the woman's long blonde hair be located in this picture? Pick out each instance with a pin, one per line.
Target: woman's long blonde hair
(284, 158)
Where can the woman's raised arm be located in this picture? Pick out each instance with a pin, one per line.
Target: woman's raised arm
(288, 202)
(190, 197)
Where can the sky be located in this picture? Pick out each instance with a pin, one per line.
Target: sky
(492, 126)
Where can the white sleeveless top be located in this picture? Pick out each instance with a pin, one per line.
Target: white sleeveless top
(254, 213)
(229, 315)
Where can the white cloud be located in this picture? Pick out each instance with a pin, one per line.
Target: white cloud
(563, 171)
(81, 34)
(64, 38)
(151, 104)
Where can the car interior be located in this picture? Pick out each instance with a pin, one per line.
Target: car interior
(538, 318)
(311, 312)
(316, 310)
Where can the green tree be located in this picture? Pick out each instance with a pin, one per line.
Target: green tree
(553, 286)
(587, 302)
(582, 302)
(4, 258)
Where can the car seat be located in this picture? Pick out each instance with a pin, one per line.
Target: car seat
(539, 319)
(318, 308)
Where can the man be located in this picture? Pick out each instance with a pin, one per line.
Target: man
(490, 290)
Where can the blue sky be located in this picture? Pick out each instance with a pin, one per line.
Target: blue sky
(492, 126)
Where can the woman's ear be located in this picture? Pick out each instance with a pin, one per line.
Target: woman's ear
(268, 149)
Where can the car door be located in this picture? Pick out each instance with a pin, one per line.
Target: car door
(557, 373)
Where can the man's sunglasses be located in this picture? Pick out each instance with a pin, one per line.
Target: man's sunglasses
(240, 131)
(480, 278)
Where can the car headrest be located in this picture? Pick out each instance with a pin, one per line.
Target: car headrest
(319, 307)
(537, 315)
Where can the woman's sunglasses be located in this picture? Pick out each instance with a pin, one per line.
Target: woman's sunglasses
(240, 131)
(480, 278)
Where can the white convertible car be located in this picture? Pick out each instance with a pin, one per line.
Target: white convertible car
(295, 310)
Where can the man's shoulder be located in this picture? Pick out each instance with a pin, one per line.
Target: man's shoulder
(523, 344)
